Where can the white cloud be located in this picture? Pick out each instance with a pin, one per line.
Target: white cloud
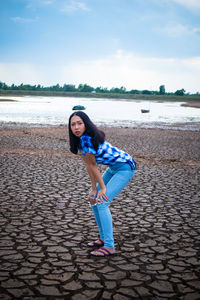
(47, 2)
(18, 73)
(176, 30)
(24, 20)
(190, 4)
(136, 72)
(192, 63)
(65, 6)
(32, 3)
(74, 5)
(120, 69)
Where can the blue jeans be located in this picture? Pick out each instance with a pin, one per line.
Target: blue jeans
(115, 178)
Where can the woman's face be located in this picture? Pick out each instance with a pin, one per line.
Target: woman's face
(77, 126)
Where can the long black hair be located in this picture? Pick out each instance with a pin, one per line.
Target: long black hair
(98, 136)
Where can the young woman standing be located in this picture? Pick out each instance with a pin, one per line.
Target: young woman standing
(86, 138)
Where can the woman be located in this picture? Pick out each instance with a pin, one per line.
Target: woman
(90, 141)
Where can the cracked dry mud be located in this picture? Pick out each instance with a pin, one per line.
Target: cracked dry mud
(46, 221)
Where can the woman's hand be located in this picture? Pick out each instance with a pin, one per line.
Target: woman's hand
(92, 197)
(101, 196)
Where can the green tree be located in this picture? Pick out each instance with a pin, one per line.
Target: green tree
(120, 90)
(22, 86)
(55, 87)
(100, 89)
(134, 92)
(85, 88)
(146, 92)
(69, 88)
(13, 87)
(180, 92)
(3, 86)
(162, 90)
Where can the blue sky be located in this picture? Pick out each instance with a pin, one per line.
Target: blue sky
(138, 44)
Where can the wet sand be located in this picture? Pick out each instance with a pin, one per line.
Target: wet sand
(191, 104)
(7, 100)
(46, 221)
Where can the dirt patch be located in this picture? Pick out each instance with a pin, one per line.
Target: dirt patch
(191, 104)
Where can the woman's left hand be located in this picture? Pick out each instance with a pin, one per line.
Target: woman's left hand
(101, 196)
(92, 196)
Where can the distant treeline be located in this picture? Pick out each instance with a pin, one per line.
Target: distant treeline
(85, 88)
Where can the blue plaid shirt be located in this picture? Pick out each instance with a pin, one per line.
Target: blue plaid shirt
(106, 154)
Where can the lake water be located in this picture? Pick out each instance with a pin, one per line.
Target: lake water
(123, 113)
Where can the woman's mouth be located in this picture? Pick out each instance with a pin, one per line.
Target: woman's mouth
(77, 132)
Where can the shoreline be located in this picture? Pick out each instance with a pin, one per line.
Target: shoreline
(186, 104)
(125, 97)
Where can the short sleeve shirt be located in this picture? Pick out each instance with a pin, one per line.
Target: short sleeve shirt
(106, 153)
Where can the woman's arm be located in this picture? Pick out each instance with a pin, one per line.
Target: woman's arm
(89, 170)
(95, 176)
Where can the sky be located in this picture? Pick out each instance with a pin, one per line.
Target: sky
(137, 44)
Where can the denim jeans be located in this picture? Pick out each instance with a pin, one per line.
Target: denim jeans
(115, 178)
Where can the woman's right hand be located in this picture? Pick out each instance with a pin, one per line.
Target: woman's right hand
(92, 196)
